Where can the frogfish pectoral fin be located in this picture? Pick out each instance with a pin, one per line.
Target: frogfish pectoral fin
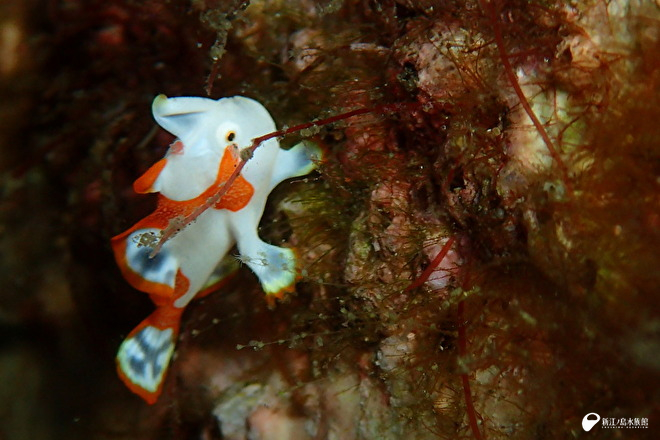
(301, 159)
(274, 266)
(144, 356)
(157, 274)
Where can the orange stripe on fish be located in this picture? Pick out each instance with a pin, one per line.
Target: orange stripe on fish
(145, 183)
(241, 191)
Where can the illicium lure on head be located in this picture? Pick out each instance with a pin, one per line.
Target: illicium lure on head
(211, 137)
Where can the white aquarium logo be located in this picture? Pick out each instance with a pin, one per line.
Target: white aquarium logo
(589, 421)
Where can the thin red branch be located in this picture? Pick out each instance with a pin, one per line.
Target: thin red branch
(511, 76)
(179, 223)
(212, 77)
(432, 266)
(465, 379)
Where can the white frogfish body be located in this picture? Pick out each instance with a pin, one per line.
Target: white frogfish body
(210, 137)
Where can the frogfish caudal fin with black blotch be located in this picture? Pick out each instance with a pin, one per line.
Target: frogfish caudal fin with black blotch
(210, 138)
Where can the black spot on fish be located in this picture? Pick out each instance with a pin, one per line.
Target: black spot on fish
(143, 263)
(150, 351)
(137, 365)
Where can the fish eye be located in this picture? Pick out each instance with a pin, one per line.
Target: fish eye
(231, 135)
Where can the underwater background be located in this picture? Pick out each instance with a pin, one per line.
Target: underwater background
(479, 250)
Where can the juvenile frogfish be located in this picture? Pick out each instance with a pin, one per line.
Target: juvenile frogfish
(211, 136)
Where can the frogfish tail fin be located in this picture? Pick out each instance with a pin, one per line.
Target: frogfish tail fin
(144, 357)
